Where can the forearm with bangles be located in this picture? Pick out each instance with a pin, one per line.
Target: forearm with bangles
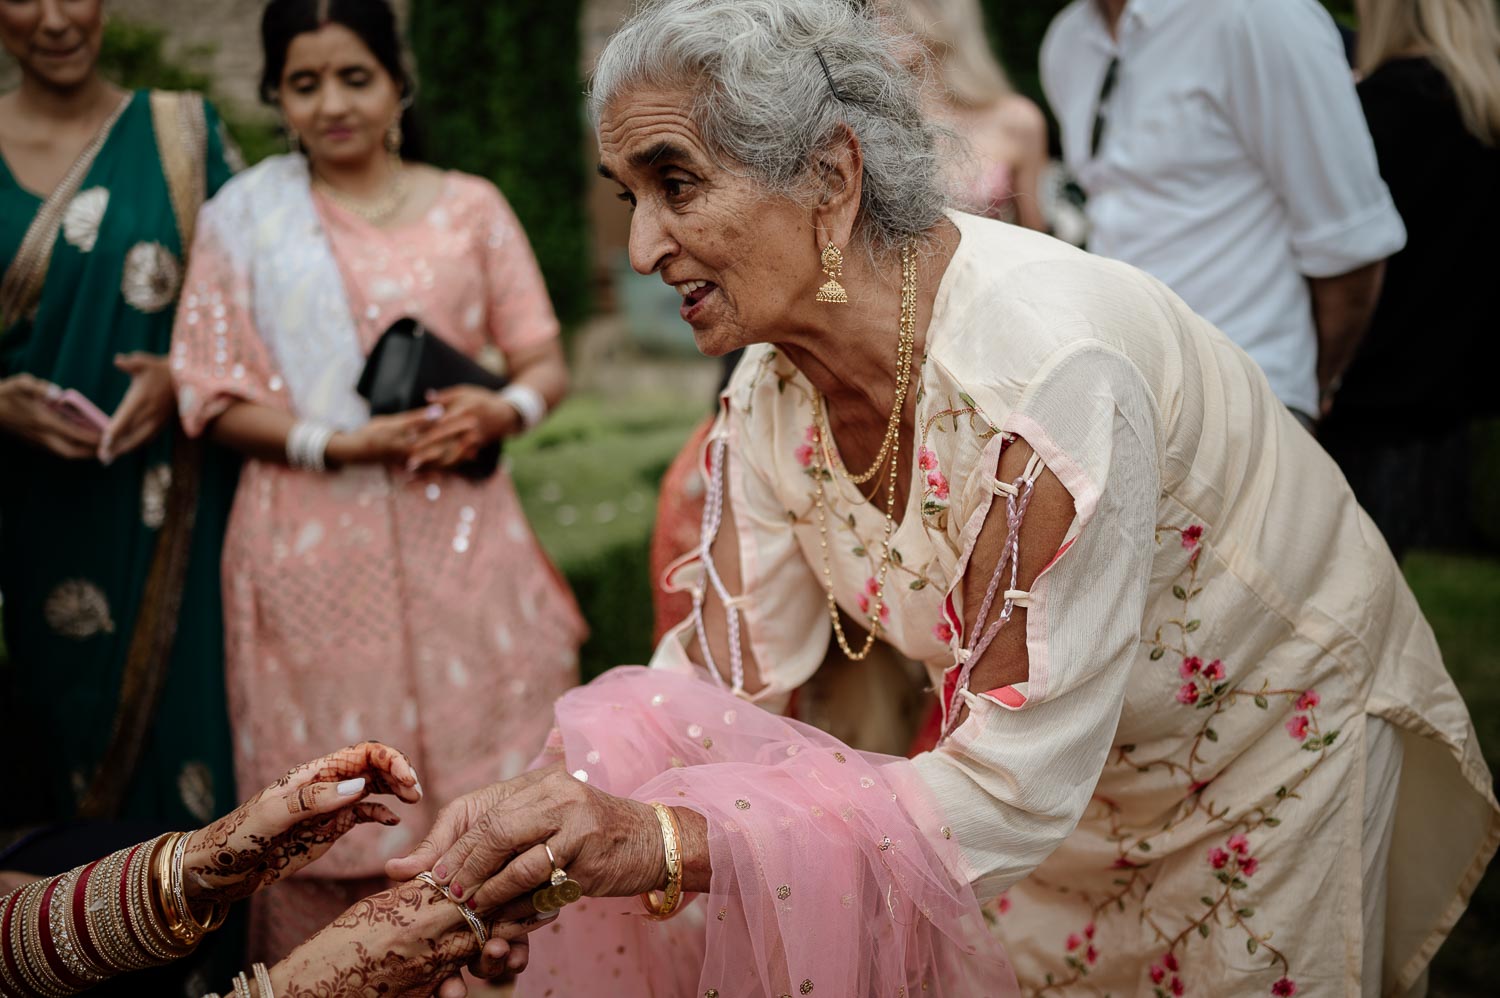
(116, 915)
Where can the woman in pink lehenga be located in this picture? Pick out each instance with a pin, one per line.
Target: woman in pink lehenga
(370, 591)
(1196, 736)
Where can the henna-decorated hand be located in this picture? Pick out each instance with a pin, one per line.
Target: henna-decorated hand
(403, 941)
(294, 821)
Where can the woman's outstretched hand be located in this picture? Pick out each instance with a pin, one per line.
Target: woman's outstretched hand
(403, 941)
(488, 847)
(294, 821)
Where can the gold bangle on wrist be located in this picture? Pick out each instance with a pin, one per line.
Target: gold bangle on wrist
(663, 904)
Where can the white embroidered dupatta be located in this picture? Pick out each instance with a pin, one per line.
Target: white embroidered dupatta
(267, 223)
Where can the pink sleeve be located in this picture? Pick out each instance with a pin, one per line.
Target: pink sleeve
(520, 311)
(834, 871)
(217, 356)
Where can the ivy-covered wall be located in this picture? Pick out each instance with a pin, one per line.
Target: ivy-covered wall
(500, 96)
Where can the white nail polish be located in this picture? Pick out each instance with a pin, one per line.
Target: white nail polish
(351, 787)
(418, 788)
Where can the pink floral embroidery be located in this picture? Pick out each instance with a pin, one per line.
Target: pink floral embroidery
(1178, 987)
(926, 459)
(872, 586)
(1003, 904)
(1214, 671)
(805, 455)
(1249, 865)
(1191, 666)
(1284, 988)
(1170, 961)
(1074, 941)
(943, 632)
(1091, 955)
(1191, 536)
(1188, 694)
(937, 484)
(864, 607)
(1218, 858)
(1158, 973)
(1239, 843)
(1308, 700)
(1297, 727)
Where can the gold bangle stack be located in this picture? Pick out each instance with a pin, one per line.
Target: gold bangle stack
(71, 932)
(171, 895)
(663, 904)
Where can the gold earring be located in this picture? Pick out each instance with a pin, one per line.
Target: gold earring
(393, 137)
(833, 265)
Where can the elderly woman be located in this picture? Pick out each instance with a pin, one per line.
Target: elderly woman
(1196, 733)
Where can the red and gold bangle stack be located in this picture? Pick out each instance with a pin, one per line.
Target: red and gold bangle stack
(71, 932)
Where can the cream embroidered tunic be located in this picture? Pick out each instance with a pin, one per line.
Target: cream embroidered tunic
(1172, 801)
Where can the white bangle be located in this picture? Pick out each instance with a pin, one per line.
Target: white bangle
(527, 402)
(307, 446)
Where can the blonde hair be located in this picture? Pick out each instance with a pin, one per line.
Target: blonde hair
(1461, 37)
(953, 33)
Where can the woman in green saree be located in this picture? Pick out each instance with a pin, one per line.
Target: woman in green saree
(110, 530)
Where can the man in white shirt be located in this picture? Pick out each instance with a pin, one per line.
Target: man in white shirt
(1224, 151)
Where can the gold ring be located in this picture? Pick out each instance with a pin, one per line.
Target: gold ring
(559, 891)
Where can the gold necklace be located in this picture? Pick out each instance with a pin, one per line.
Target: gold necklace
(892, 444)
(904, 347)
(383, 208)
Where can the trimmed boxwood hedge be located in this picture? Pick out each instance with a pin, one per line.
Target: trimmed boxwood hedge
(500, 96)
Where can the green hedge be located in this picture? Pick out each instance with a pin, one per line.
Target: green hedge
(134, 56)
(500, 96)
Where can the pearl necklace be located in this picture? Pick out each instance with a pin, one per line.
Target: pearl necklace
(890, 449)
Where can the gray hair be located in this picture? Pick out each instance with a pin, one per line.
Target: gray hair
(763, 100)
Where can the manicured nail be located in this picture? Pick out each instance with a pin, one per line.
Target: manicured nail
(434, 413)
(473, 906)
(457, 890)
(441, 871)
(351, 787)
(53, 393)
(418, 788)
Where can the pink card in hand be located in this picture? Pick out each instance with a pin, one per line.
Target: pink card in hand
(76, 406)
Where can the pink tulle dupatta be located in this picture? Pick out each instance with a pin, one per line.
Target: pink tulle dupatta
(833, 872)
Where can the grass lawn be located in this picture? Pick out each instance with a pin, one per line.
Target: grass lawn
(1461, 597)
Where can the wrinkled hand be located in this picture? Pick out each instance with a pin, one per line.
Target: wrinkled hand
(26, 412)
(611, 845)
(148, 405)
(471, 419)
(294, 821)
(403, 941)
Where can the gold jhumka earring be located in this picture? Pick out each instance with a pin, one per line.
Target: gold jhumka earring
(393, 137)
(833, 292)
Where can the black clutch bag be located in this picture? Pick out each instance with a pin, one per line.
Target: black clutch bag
(408, 361)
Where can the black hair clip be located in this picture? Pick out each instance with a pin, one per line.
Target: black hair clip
(833, 88)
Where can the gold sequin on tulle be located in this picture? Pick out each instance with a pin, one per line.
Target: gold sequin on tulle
(78, 609)
(711, 993)
(742, 804)
(807, 986)
(708, 743)
(847, 900)
(885, 843)
(839, 756)
(784, 891)
(866, 782)
(947, 832)
(723, 913)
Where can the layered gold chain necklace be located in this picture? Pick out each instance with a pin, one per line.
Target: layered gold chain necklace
(381, 209)
(890, 453)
